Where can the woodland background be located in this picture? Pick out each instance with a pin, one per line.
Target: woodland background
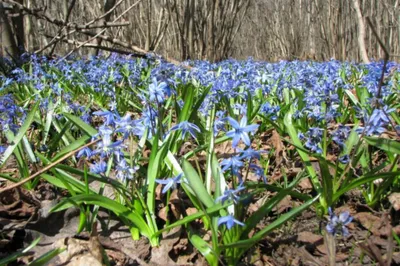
(203, 29)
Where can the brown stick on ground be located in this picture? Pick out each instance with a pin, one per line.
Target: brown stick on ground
(131, 47)
(48, 167)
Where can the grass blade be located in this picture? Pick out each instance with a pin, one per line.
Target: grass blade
(21, 133)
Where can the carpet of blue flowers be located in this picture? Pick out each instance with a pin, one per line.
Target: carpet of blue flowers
(203, 130)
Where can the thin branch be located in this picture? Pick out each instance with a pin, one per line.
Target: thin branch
(69, 11)
(94, 46)
(48, 167)
(100, 32)
(386, 58)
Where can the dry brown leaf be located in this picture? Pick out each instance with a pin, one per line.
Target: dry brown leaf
(285, 204)
(394, 199)
(276, 142)
(191, 211)
(162, 214)
(370, 222)
(78, 252)
(160, 255)
(309, 238)
(305, 184)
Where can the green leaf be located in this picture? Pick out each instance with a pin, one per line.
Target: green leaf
(361, 181)
(352, 98)
(387, 145)
(199, 102)
(9, 178)
(203, 247)
(71, 147)
(188, 104)
(304, 156)
(119, 209)
(89, 130)
(193, 217)
(327, 181)
(45, 258)
(263, 211)
(197, 184)
(49, 118)
(156, 159)
(114, 183)
(248, 243)
(21, 133)
(18, 254)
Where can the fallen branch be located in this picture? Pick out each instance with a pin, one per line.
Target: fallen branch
(131, 46)
(103, 30)
(48, 167)
(101, 47)
(386, 58)
(36, 13)
(103, 25)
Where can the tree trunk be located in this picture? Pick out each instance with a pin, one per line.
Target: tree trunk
(9, 44)
(361, 33)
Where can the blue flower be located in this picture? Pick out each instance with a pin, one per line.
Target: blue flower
(380, 117)
(129, 127)
(234, 163)
(105, 147)
(258, 171)
(108, 115)
(229, 221)
(170, 182)
(231, 194)
(2, 149)
(157, 91)
(269, 110)
(340, 135)
(186, 127)
(124, 170)
(98, 168)
(337, 224)
(249, 154)
(87, 152)
(377, 122)
(240, 130)
(344, 159)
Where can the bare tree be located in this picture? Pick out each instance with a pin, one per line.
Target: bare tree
(203, 29)
(361, 32)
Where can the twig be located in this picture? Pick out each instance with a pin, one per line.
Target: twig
(133, 47)
(66, 156)
(69, 11)
(36, 13)
(103, 25)
(386, 58)
(80, 27)
(95, 46)
(99, 33)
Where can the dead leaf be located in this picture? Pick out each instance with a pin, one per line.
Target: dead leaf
(163, 214)
(285, 204)
(372, 251)
(371, 222)
(191, 210)
(394, 199)
(81, 252)
(309, 238)
(77, 252)
(276, 142)
(160, 255)
(305, 184)
(18, 207)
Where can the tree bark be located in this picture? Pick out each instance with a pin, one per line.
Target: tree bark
(361, 32)
(9, 44)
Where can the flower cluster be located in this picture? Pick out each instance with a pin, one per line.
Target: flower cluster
(337, 224)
